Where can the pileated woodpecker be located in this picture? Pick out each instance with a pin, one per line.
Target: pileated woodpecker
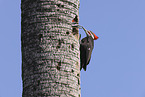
(86, 47)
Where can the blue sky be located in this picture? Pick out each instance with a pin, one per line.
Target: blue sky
(117, 66)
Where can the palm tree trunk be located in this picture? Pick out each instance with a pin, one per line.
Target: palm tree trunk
(50, 48)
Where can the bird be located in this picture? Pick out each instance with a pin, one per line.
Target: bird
(75, 20)
(86, 48)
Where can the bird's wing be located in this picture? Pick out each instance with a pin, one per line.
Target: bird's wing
(83, 55)
(86, 48)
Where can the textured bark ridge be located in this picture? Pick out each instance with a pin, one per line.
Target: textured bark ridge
(50, 48)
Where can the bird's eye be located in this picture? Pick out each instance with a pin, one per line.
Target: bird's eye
(89, 32)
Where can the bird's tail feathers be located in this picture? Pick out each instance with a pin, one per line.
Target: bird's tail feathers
(85, 68)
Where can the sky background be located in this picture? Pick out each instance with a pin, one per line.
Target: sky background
(117, 66)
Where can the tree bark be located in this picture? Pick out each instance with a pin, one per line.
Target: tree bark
(50, 48)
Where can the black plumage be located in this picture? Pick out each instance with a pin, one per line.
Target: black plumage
(86, 47)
